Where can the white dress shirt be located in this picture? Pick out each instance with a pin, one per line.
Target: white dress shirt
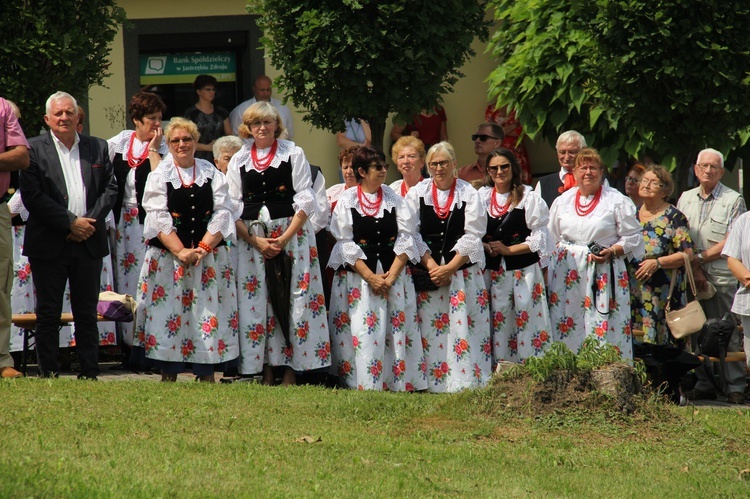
(70, 160)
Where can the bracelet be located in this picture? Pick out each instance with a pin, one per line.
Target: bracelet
(205, 247)
(658, 264)
(151, 149)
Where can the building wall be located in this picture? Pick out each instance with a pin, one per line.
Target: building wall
(464, 107)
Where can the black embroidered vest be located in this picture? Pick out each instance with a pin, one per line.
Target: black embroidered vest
(122, 168)
(271, 188)
(191, 209)
(376, 237)
(435, 231)
(509, 232)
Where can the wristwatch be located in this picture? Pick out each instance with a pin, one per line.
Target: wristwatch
(700, 257)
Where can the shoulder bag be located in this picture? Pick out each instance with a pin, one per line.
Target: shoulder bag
(688, 320)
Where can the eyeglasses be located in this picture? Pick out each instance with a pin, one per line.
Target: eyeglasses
(439, 164)
(482, 137)
(567, 152)
(186, 140)
(379, 166)
(209, 89)
(588, 168)
(648, 183)
(631, 180)
(258, 124)
(493, 169)
(708, 166)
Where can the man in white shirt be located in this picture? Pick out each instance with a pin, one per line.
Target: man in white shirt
(68, 189)
(262, 91)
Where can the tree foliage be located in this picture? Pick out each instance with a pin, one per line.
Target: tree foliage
(49, 46)
(636, 77)
(343, 59)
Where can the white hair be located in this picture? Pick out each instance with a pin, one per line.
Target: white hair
(59, 96)
(711, 151)
(571, 137)
(228, 143)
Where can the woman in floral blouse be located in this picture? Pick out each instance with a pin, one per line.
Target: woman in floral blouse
(665, 234)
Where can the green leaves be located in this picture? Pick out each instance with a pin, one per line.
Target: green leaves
(368, 58)
(50, 46)
(635, 77)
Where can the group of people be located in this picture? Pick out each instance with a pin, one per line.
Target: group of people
(432, 281)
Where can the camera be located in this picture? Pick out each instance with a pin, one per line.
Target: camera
(595, 249)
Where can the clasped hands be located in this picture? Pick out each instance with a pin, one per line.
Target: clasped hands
(494, 248)
(270, 246)
(191, 256)
(81, 229)
(380, 283)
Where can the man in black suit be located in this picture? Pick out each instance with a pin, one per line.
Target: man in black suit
(551, 186)
(69, 188)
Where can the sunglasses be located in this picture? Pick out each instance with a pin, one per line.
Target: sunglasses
(186, 140)
(482, 137)
(503, 168)
(379, 166)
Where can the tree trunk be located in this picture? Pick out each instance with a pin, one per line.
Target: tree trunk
(377, 126)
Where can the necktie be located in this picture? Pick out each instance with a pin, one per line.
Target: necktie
(568, 182)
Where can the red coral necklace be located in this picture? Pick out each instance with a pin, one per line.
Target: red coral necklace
(443, 211)
(136, 162)
(496, 210)
(262, 165)
(369, 208)
(583, 210)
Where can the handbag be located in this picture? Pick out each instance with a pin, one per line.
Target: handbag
(421, 278)
(691, 318)
(116, 307)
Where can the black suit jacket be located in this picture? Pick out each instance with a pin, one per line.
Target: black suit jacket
(45, 195)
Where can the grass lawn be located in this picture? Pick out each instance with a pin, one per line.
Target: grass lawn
(68, 438)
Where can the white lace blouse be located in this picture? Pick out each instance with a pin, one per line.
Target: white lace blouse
(158, 218)
(613, 221)
(346, 251)
(304, 197)
(475, 217)
(120, 144)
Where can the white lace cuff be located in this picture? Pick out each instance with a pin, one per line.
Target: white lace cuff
(345, 252)
(471, 246)
(305, 201)
(406, 245)
(420, 246)
(632, 245)
(16, 206)
(158, 221)
(222, 221)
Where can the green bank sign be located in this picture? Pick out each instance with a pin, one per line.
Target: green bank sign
(183, 68)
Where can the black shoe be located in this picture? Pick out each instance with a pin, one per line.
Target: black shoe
(736, 398)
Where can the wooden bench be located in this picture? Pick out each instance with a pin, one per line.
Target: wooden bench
(27, 323)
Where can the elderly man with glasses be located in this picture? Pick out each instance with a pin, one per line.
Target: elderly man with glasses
(711, 210)
(551, 186)
(489, 136)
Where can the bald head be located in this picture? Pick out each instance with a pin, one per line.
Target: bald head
(262, 88)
